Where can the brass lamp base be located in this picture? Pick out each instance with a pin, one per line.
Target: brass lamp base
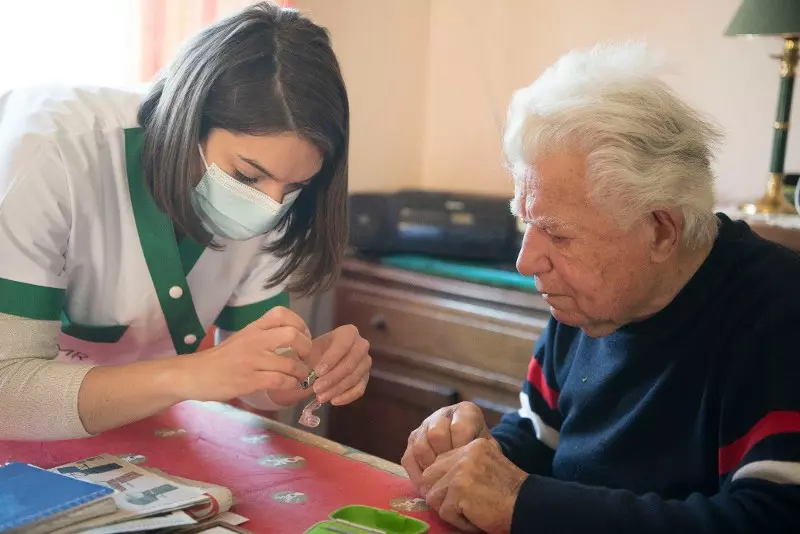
(769, 206)
(773, 202)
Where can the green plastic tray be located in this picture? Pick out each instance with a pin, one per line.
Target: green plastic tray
(360, 519)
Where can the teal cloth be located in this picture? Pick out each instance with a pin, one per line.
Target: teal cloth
(462, 271)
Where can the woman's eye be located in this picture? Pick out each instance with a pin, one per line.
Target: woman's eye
(244, 179)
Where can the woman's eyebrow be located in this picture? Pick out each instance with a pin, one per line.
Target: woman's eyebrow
(257, 166)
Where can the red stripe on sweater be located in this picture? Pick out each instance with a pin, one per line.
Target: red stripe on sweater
(536, 377)
(778, 422)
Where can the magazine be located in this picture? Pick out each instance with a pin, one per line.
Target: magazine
(220, 498)
(139, 494)
(154, 522)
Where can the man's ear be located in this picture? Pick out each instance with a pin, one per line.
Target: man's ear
(666, 234)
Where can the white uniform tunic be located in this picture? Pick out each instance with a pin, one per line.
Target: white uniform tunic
(83, 243)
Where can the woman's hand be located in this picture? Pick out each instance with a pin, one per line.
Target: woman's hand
(246, 362)
(342, 362)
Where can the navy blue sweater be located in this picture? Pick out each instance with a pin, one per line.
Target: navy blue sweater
(686, 422)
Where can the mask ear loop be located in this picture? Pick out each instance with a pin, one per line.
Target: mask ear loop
(202, 156)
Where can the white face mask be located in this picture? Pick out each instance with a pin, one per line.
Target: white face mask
(233, 210)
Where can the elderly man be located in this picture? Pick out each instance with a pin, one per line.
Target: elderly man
(664, 394)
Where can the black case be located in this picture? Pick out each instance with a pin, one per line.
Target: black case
(433, 223)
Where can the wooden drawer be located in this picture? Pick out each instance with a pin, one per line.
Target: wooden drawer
(404, 322)
(495, 397)
(435, 341)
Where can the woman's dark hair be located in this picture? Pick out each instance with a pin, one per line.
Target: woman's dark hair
(264, 70)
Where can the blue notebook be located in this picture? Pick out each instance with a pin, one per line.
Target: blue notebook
(35, 500)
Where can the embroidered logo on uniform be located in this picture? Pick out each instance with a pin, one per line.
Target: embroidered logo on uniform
(72, 354)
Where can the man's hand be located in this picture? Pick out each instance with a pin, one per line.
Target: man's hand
(474, 487)
(446, 429)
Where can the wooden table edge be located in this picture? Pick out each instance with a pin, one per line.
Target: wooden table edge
(256, 421)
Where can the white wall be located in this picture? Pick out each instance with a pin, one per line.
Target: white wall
(734, 80)
(476, 52)
(383, 50)
(80, 41)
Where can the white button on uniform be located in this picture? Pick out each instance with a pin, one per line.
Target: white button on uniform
(191, 338)
(175, 292)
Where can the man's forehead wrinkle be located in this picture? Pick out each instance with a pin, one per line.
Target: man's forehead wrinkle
(528, 193)
(526, 210)
(530, 200)
(530, 178)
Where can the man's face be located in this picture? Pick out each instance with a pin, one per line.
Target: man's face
(592, 273)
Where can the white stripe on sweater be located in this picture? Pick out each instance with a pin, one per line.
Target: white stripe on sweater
(772, 470)
(546, 434)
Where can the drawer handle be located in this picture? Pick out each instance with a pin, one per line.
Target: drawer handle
(378, 322)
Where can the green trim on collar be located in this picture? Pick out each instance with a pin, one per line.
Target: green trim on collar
(30, 301)
(157, 237)
(235, 318)
(190, 251)
(95, 334)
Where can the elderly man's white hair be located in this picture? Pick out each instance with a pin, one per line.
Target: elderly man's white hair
(645, 148)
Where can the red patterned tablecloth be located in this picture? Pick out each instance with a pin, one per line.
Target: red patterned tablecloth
(224, 445)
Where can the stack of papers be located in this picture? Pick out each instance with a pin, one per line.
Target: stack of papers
(137, 499)
(36, 501)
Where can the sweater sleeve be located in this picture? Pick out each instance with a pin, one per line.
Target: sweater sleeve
(758, 461)
(38, 396)
(529, 436)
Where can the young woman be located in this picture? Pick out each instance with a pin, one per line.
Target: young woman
(129, 223)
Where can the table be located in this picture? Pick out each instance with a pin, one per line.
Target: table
(222, 444)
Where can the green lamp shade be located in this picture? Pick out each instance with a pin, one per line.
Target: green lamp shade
(766, 17)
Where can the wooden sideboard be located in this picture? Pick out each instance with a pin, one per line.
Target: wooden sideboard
(434, 342)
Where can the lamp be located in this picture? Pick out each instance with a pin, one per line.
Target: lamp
(777, 18)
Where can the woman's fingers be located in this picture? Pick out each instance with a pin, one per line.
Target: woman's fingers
(338, 345)
(346, 373)
(355, 387)
(281, 364)
(281, 316)
(284, 336)
(275, 380)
